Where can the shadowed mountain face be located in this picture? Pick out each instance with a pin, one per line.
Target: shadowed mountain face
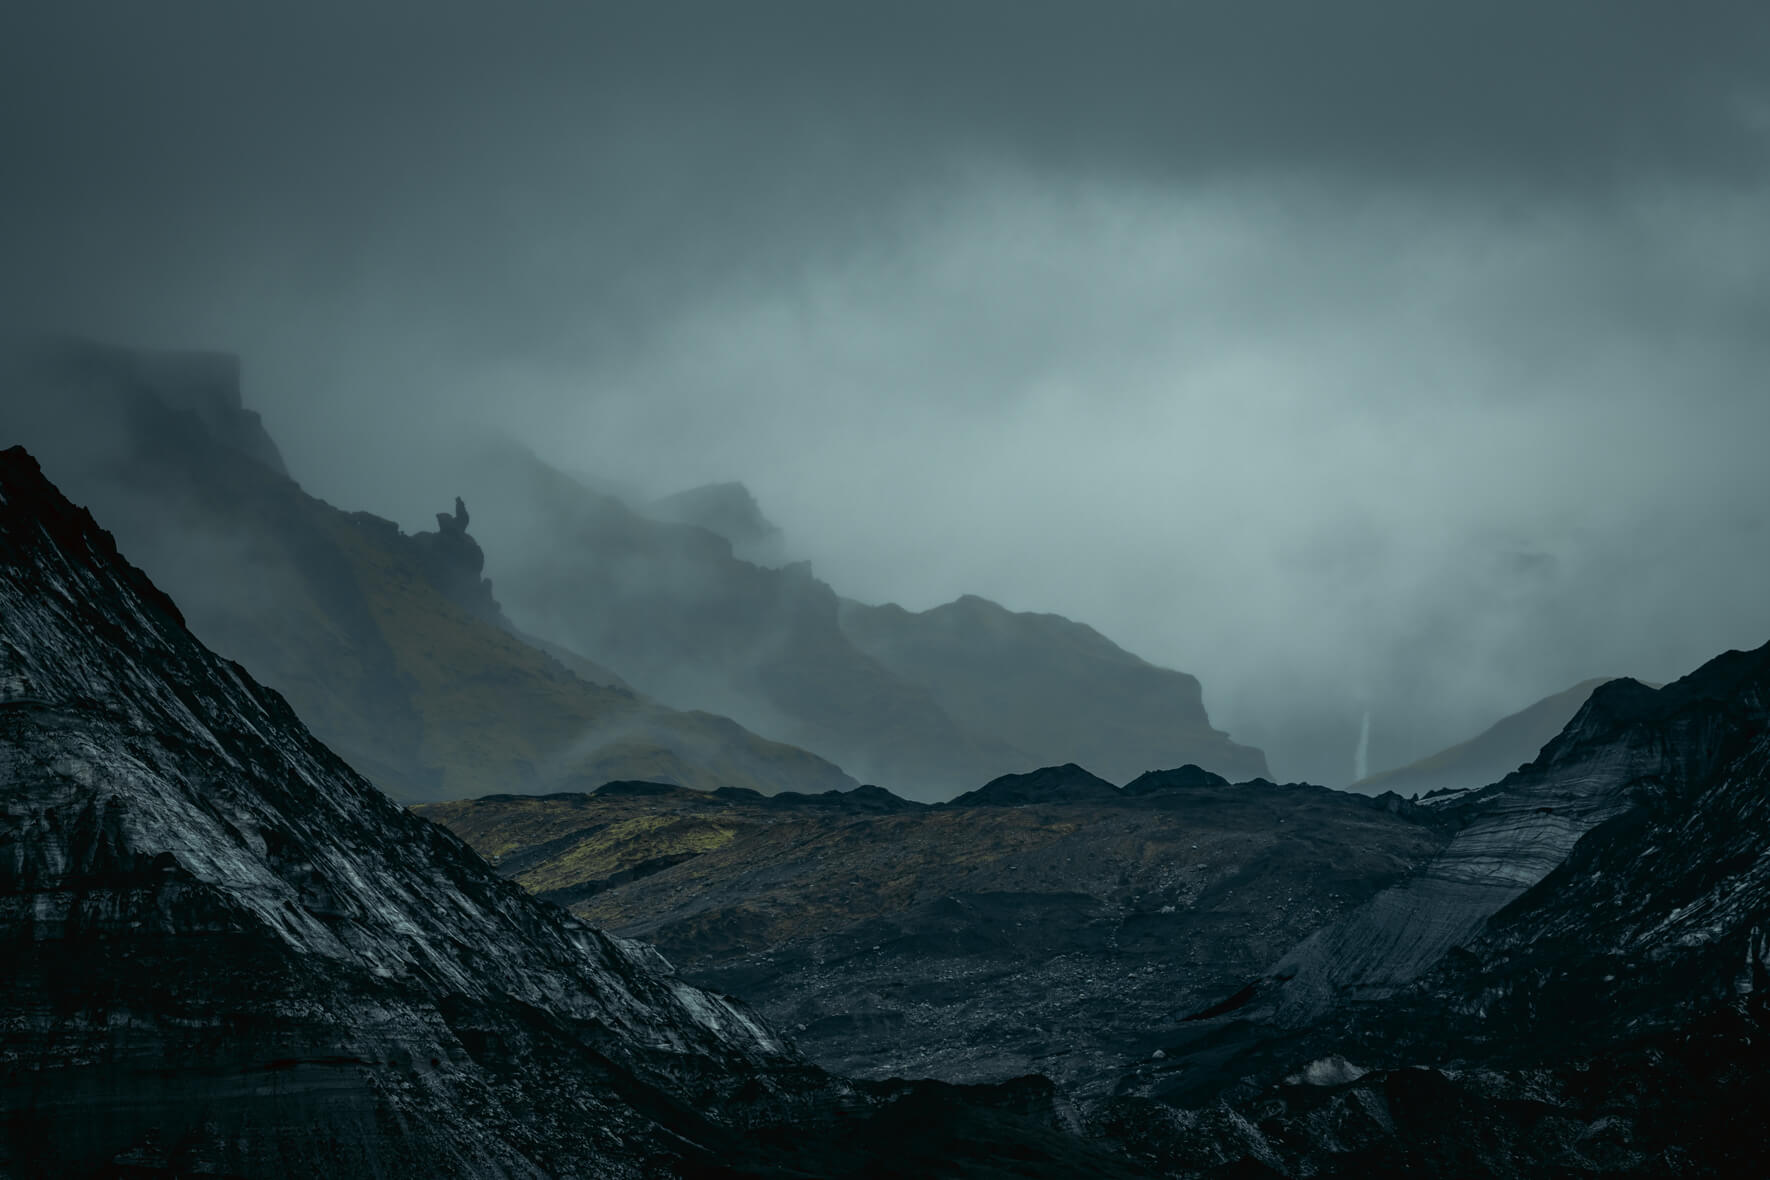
(1057, 689)
(927, 704)
(391, 646)
(229, 954)
(1045, 922)
(1490, 756)
(1575, 986)
(729, 510)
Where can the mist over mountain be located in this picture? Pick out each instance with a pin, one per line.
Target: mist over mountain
(927, 705)
(1490, 755)
(229, 954)
(1353, 358)
(391, 645)
(917, 510)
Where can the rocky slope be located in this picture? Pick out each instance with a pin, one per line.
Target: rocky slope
(1047, 922)
(1490, 755)
(1609, 1021)
(390, 646)
(1626, 739)
(229, 954)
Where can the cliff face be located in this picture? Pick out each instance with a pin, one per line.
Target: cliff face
(390, 646)
(229, 952)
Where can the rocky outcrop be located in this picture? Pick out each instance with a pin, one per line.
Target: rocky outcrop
(454, 563)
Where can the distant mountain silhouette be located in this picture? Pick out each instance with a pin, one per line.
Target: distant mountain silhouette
(1055, 688)
(228, 954)
(730, 510)
(927, 704)
(391, 646)
(1489, 756)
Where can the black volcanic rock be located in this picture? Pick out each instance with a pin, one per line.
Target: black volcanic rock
(228, 949)
(1068, 783)
(1608, 1020)
(966, 941)
(229, 954)
(454, 563)
(1178, 779)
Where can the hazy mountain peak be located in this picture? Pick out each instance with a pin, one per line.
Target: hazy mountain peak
(730, 510)
(202, 383)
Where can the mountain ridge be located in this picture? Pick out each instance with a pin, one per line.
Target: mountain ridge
(391, 646)
(230, 954)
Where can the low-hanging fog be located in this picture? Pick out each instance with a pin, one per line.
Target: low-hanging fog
(1374, 357)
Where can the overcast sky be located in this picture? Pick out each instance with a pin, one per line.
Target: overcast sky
(1402, 356)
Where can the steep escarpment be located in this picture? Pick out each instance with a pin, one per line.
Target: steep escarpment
(391, 646)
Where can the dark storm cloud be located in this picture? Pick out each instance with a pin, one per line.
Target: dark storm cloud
(1389, 355)
(678, 139)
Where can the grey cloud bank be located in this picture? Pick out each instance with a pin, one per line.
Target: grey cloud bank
(1373, 356)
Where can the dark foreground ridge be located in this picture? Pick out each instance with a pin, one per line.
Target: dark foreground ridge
(1565, 973)
(1575, 986)
(229, 954)
(1048, 922)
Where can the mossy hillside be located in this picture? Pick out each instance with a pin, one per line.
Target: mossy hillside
(500, 715)
(353, 621)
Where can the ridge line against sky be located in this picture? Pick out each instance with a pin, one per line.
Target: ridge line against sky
(1378, 356)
